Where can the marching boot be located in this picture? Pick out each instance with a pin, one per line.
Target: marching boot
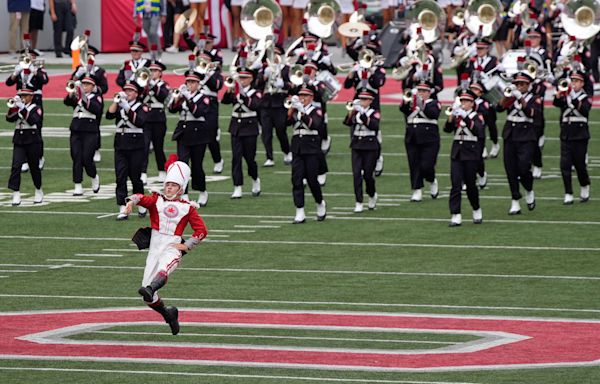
(203, 198)
(536, 172)
(162, 175)
(417, 196)
(96, 184)
(568, 199)
(321, 211)
(97, 156)
(515, 208)
(530, 200)
(144, 178)
(482, 180)
(358, 207)
(287, 159)
(142, 211)
(237, 192)
(495, 150)
(16, 198)
(269, 163)
(170, 314)
(477, 216)
(300, 216)
(256, 187)
(584, 194)
(218, 167)
(372, 202)
(322, 179)
(456, 220)
(148, 291)
(38, 197)
(435, 191)
(379, 166)
(122, 215)
(78, 191)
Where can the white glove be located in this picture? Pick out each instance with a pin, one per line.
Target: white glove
(459, 112)
(124, 104)
(356, 69)
(256, 65)
(298, 105)
(316, 56)
(326, 60)
(80, 72)
(153, 83)
(295, 99)
(472, 50)
(541, 141)
(186, 93)
(18, 70)
(358, 117)
(267, 72)
(19, 104)
(299, 51)
(279, 83)
(517, 94)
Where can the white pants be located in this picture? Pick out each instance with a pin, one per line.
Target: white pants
(162, 257)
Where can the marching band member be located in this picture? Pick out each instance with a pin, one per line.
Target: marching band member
(465, 157)
(101, 83)
(483, 62)
(575, 106)
(522, 108)
(274, 80)
(308, 132)
(130, 116)
(127, 71)
(27, 142)
(488, 113)
(244, 130)
(422, 139)
(155, 128)
(363, 119)
(86, 99)
(193, 132)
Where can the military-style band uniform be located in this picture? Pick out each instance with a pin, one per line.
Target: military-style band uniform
(364, 129)
(520, 138)
(574, 136)
(27, 141)
(127, 70)
(366, 79)
(85, 128)
(155, 128)
(35, 79)
(272, 112)
(129, 146)
(243, 128)
(421, 139)
(307, 134)
(465, 156)
(193, 133)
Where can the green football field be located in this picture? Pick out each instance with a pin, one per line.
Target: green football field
(402, 258)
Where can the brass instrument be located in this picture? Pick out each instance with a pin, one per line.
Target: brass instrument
(449, 110)
(260, 17)
(321, 17)
(563, 85)
(508, 91)
(531, 68)
(117, 98)
(142, 76)
(204, 66)
(482, 17)
(72, 86)
(346, 67)
(428, 17)
(7, 68)
(402, 71)
(11, 103)
(458, 18)
(407, 96)
(581, 18)
(297, 74)
(352, 104)
(366, 58)
(230, 81)
(287, 103)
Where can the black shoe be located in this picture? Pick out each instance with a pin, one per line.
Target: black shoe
(59, 55)
(146, 293)
(478, 221)
(172, 319)
(453, 224)
(321, 218)
(531, 206)
(142, 215)
(511, 213)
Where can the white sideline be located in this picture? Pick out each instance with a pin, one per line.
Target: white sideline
(328, 303)
(299, 378)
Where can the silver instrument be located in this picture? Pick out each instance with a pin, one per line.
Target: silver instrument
(428, 17)
(11, 103)
(72, 86)
(332, 85)
(483, 17)
(142, 76)
(563, 85)
(321, 17)
(581, 18)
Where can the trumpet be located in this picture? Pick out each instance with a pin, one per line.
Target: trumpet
(563, 85)
(449, 110)
(230, 81)
(508, 91)
(351, 105)
(117, 98)
(407, 96)
(11, 103)
(288, 103)
(204, 66)
(72, 86)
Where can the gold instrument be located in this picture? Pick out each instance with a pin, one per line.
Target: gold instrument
(346, 67)
(531, 68)
(581, 18)
(407, 96)
(11, 103)
(204, 66)
(449, 110)
(428, 17)
(482, 17)
(321, 17)
(508, 91)
(7, 68)
(72, 86)
(142, 76)
(354, 27)
(260, 17)
(366, 58)
(297, 74)
(563, 85)
(349, 106)
(458, 18)
(287, 103)
(230, 81)
(185, 20)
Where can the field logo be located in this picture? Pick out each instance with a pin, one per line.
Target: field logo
(502, 342)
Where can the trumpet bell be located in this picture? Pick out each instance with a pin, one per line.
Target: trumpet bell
(260, 17)
(321, 16)
(563, 85)
(185, 20)
(484, 14)
(581, 18)
(429, 17)
(11, 103)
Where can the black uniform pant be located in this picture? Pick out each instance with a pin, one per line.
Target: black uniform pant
(215, 146)
(463, 171)
(572, 153)
(65, 22)
(30, 154)
(83, 145)
(517, 164)
(274, 117)
(243, 147)
(481, 165)
(195, 153)
(421, 162)
(493, 128)
(363, 168)
(128, 164)
(154, 132)
(305, 166)
(537, 152)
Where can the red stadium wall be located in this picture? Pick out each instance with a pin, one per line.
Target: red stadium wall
(118, 28)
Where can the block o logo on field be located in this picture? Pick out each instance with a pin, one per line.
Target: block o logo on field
(502, 342)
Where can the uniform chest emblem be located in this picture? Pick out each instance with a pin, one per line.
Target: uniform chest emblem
(171, 211)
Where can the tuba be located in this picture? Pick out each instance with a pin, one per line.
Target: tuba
(428, 17)
(482, 17)
(321, 17)
(581, 18)
(458, 18)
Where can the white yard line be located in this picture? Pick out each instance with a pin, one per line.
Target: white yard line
(326, 303)
(96, 255)
(332, 243)
(257, 226)
(125, 250)
(235, 376)
(76, 260)
(15, 271)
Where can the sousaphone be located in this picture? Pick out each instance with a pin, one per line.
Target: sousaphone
(482, 17)
(427, 16)
(259, 18)
(581, 18)
(321, 17)
(355, 27)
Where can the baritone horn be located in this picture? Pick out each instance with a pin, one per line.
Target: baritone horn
(366, 58)
(484, 15)
(142, 76)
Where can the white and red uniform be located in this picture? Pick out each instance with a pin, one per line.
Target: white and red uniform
(168, 220)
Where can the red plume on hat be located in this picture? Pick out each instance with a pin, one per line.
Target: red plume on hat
(172, 158)
(87, 32)
(464, 76)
